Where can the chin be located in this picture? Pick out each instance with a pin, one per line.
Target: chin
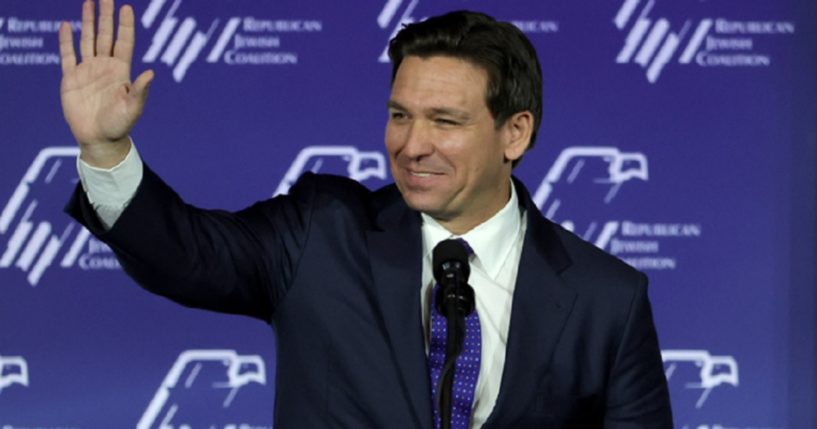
(422, 203)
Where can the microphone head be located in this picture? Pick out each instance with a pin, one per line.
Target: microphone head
(448, 257)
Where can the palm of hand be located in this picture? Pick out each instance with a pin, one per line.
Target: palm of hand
(96, 100)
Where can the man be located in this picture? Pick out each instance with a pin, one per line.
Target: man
(344, 274)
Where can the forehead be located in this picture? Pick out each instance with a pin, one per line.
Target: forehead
(439, 81)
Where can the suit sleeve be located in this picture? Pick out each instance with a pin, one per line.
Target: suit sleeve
(638, 397)
(239, 263)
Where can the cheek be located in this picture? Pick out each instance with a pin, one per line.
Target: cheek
(485, 165)
(393, 140)
(456, 149)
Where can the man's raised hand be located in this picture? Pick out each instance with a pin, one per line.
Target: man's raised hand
(99, 102)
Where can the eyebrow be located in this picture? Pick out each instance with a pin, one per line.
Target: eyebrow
(433, 111)
(394, 105)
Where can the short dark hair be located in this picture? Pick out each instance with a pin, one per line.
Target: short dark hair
(514, 73)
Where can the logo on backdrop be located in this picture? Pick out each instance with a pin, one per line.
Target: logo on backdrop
(699, 370)
(396, 14)
(201, 390)
(23, 41)
(653, 43)
(13, 370)
(346, 161)
(35, 234)
(179, 41)
(580, 191)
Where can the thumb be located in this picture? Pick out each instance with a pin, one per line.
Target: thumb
(141, 86)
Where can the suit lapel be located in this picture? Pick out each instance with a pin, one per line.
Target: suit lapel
(541, 306)
(395, 254)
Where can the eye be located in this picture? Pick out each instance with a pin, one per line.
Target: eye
(446, 122)
(397, 115)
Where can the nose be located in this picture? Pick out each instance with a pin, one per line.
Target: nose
(418, 140)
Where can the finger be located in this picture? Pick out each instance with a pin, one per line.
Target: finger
(123, 48)
(141, 86)
(86, 37)
(104, 40)
(68, 57)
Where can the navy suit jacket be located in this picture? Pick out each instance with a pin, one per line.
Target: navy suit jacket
(336, 268)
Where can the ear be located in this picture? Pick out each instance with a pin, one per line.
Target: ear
(517, 129)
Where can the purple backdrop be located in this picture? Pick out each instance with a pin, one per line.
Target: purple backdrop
(680, 136)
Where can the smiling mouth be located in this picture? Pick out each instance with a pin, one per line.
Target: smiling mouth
(422, 173)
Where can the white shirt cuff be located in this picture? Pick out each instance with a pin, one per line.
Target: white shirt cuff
(110, 190)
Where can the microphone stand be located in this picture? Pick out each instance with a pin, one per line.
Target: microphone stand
(457, 301)
(453, 347)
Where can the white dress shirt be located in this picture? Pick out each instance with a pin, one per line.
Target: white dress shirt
(497, 245)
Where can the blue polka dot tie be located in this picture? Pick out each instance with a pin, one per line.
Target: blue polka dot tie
(466, 369)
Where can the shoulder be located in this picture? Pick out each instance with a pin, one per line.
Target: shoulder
(579, 263)
(327, 186)
(333, 195)
(594, 266)
(600, 280)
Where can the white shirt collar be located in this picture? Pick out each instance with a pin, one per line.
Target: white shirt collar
(490, 240)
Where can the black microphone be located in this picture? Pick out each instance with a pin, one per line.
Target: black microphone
(451, 271)
(455, 301)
